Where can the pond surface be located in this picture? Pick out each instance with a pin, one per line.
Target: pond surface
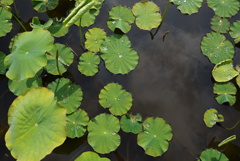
(172, 80)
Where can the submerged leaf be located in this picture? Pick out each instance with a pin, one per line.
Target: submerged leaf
(2, 66)
(94, 38)
(88, 64)
(6, 24)
(220, 24)
(212, 154)
(235, 31)
(90, 156)
(188, 6)
(131, 123)
(211, 117)
(44, 5)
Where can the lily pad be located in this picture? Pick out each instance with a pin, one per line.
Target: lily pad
(212, 154)
(102, 133)
(44, 5)
(211, 117)
(37, 24)
(88, 64)
(57, 29)
(90, 156)
(215, 46)
(131, 123)
(238, 80)
(147, 15)
(224, 8)
(119, 58)
(59, 58)
(37, 125)
(155, 137)
(68, 94)
(188, 6)
(2, 67)
(94, 38)
(224, 71)
(76, 123)
(6, 2)
(120, 17)
(235, 31)
(114, 97)
(28, 47)
(220, 24)
(5, 21)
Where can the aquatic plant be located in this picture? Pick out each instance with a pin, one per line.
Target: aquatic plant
(90, 156)
(212, 154)
(211, 117)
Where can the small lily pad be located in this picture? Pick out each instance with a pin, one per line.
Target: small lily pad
(235, 31)
(114, 97)
(211, 117)
(68, 94)
(76, 123)
(212, 154)
(220, 24)
(215, 46)
(94, 38)
(155, 137)
(5, 21)
(188, 6)
(44, 5)
(102, 133)
(147, 15)
(131, 123)
(37, 24)
(2, 66)
(90, 156)
(57, 29)
(88, 64)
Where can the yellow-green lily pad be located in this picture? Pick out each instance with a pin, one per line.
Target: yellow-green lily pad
(235, 31)
(88, 64)
(211, 117)
(90, 156)
(94, 39)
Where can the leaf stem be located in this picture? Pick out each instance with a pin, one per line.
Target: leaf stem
(233, 126)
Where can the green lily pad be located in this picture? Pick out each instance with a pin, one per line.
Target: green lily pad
(5, 21)
(88, 64)
(28, 54)
(120, 17)
(44, 5)
(212, 154)
(2, 66)
(216, 47)
(220, 24)
(155, 137)
(68, 94)
(6, 2)
(58, 59)
(224, 8)
(37, 24)
(102, 133)
(119, 58)
(235, 31)
(211, 117)
(238, 80)
(224, 71)
(147, 15)
(131, 123)
(57, 29)
(94, 39)
(188, 6)
(76, 123)
(114, 97)
(225, 92)
(90, 156)
(37, 125)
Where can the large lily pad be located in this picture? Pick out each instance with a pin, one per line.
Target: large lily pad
(212, 154)
(114, 97)
(57, 29)
(94, 38)
(90, 156)
(102, 133)
(2, 66)
(211, 117)
(6, 24)
(147, 15)
(216, 47)
(155, 137)
(37, 125)
(88, 64)
(118, 56)
(220, 24)
(188, 6)
(44, 5)
(28, 54)
(68, 94)
(235, 31)
(131, 123)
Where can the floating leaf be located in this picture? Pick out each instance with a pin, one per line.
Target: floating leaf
(90, 156)
(216, 47)
(224, 8)
(211, 117)
(188, 6)
(28, 47)
(114, 97)
(118, 56)
(120, 17)
(220, 24)
(224, 71)
(212, 154)
(147, 15)
(238, 80)
(6, 24)
(2, 67)
(94, 38)
(102, 133)
(88, 64)
(155, 137)
(57, 29)
(68, 94)
(131, 123)
(227, 140)
(37, 24)
(235, 31)
(76, 123)
(6, 2)
(44, 5)
(37, 125)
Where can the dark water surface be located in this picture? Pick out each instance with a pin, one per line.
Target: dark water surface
(172, 80)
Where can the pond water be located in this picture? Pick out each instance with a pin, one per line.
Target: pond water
(172, 80)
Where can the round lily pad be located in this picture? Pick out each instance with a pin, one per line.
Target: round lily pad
(28, 54)
(147, 15)
(57, 29)
(2, 66)
(90, 156)
(220, 24)
(102, 133)
(44, 5)
(68, 94)
(131, 123)
(88, 64)
(76, 123)
(119, 58)
(94, 38)
(188, 6)
(155, 137)
(37, 125)
(37, 24)
(114, 97)
(215, 46)
(212, 154)
(120, 17)
(58, 59)
(235, 31)
(211, 117)
(5, 21)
